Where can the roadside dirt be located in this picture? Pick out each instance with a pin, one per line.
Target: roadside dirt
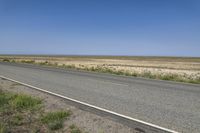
(86, 121)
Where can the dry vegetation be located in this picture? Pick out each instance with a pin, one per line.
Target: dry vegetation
(21, 113)
(165, 68)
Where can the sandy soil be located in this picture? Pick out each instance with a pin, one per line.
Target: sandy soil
(86, 121)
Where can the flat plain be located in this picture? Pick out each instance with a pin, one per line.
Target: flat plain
(182, 69)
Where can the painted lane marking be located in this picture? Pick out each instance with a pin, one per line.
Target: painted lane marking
(93, 106)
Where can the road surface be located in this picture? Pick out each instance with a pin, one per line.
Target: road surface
(168, 104)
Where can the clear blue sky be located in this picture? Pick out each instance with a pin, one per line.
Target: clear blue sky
(100, 27)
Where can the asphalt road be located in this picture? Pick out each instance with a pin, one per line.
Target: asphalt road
(168, 104)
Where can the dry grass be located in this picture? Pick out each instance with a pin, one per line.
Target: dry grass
(166, 68)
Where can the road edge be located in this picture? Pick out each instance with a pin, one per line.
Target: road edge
(142, 126)
(107, 74)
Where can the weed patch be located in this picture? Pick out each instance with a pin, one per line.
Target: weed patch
(23, 113)
(74, 129)
(25, 102)
(55, 120)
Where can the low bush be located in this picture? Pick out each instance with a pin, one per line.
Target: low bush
(28, 61)
(6, 60)
(43, 63)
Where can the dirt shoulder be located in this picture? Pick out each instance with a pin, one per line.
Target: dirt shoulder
(86, 121)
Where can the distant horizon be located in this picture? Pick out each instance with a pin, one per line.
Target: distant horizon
(97, 55)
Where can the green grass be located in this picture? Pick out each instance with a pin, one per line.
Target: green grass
(17, 120)
(55, 120)
(20, 111)
(25, 102)
(3, 128)
(5, 98)
(54, 116)
(16, 110)
(18, 102)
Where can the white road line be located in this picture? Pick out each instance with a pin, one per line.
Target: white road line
(92, 106)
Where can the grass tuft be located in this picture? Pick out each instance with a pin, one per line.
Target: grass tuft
(3, 128)
(74, 129)
(55, 120)
(17, 120)
(22, 101)
(5, 98)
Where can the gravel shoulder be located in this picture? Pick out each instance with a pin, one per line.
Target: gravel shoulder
(86, 121)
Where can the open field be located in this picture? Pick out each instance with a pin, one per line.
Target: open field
(166, 68)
